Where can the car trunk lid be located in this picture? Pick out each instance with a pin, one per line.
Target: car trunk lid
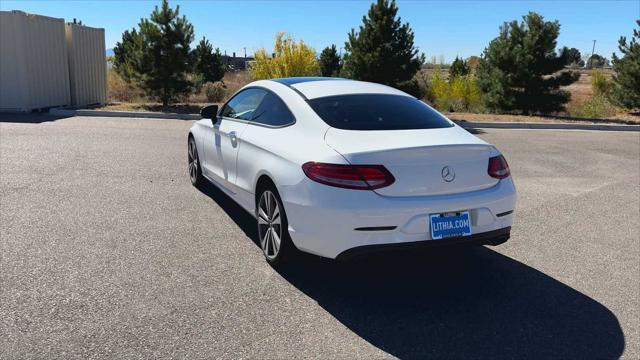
(423, 162)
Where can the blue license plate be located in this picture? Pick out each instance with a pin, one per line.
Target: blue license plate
(450, 225)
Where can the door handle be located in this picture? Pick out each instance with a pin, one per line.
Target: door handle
(234, 138)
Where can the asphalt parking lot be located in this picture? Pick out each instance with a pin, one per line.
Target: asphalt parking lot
(106, 250)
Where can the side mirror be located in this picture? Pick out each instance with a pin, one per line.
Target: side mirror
(210, 112)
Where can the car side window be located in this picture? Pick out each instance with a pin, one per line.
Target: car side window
(243, 105)
(273, 112)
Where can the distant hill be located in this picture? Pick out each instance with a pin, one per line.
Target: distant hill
(109, 52)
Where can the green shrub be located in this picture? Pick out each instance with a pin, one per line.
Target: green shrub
(461, 93)
(215, 92)
(290, 58)
(597, 106)
(599, 83)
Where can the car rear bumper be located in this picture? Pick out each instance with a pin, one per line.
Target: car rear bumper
(495, 237)
(328, 221)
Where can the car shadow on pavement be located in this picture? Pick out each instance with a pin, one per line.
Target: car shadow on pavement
(451, 303)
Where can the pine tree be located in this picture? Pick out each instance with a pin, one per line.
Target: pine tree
(330, 61)
(521, 70)
(127, 53)
(383, 50)
(626, 81)
(207, 64)
(597, 61)
(575, 58)
(164, 62)
(459, 67)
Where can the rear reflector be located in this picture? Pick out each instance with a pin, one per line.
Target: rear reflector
(360, 177)
(498, 167)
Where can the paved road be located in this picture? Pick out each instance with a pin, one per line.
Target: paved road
(107, 251)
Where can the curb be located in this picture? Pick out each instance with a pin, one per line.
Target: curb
(464, 124)
(548, 126)
(130, 114)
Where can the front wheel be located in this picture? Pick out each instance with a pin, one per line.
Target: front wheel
(275, 242)
(195, 170)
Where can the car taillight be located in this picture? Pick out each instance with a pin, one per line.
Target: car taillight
(360, 177)
(498, 167)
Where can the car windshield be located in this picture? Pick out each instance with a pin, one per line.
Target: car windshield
(377, 112)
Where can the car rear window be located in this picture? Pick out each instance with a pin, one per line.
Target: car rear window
(377, 112)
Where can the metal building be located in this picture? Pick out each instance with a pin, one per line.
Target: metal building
(87, 64)
(45, 63)
(34, 69)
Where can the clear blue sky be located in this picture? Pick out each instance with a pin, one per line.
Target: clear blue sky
(442, 28)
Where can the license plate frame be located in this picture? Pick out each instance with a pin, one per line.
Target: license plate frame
(451, 224)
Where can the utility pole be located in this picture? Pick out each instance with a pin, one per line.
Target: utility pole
(593, 51)
(245, 52)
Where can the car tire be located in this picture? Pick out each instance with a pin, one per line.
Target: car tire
(195, 169)
(273, 234)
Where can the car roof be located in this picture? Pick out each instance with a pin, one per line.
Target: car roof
(316, 87)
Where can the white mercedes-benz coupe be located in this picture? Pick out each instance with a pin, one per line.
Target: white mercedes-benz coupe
(338, 167)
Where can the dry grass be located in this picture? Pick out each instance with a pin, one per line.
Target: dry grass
(581, 90)
(185, 108)
(628, 118)
(234, 81)
(126, 97)
(120, 90)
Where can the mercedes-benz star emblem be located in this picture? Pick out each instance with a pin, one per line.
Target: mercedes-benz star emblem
(448, 174)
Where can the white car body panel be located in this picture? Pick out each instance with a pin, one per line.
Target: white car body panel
(416, 158)
(322, 219)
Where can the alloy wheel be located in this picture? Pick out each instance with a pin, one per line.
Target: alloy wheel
(193, 161)
(269, 224)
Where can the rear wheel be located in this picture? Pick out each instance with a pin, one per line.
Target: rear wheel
(195, 170)
(272, 227)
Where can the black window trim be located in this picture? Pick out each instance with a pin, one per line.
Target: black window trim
(251, 122)
(365, 93)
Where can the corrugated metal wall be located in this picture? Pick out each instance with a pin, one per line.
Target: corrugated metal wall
(87, 64)
(34, 69)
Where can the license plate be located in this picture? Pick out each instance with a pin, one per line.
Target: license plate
(450, 225)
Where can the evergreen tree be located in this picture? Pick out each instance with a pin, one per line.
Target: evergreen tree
(459, 67)
(164, 62)
(330, 61)
(383, 50)
(597, 61)
(521, 70)
(207, 64)
(626, 81)
(575, 58)
(127, 53)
